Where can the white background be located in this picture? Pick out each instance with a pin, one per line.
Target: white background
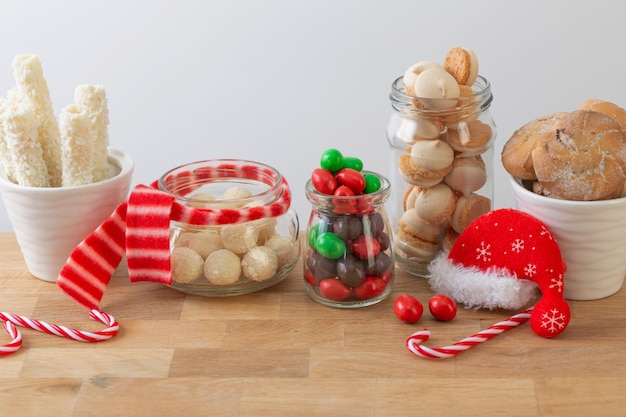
(280, 81)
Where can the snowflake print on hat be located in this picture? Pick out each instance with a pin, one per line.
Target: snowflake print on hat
(499, 261)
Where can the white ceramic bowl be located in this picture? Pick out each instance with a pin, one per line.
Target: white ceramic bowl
(50, 222)
(591, 236)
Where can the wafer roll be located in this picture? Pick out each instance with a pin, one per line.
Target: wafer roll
(76, 146)
(33, 88)
(21, 136)
(5, 156)
(92, 99)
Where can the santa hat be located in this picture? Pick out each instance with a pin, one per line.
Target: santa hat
(498, 262)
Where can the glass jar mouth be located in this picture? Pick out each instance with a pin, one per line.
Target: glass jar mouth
(187, 181)
(403, 102)
(334, 203)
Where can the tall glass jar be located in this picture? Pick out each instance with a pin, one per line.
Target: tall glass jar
(349, 258)
(441, 170)
(234, 231)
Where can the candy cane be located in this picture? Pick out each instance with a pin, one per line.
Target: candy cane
(81, 336)
(413, 342)
(15, 344)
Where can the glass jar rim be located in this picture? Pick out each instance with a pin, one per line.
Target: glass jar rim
(400, 100)
(375, 198)
(275, 201)
(221, 170)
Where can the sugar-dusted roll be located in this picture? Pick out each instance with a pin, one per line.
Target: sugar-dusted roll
(5, 154)
(517, 151)
(32, 88)
(582, 157)
(93, 99)
(606, 107)
(76, 146)
(22, 142)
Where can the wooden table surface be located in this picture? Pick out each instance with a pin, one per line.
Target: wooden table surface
(278, 353)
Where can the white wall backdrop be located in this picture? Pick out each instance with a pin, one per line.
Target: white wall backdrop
(280, 81)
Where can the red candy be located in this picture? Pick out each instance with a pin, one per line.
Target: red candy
(370, 287)
(334, 289)
(351, 178)
(344, 205)
(310, 278)
(365, 247)
(408, 308)
(442, 307)
(344, 191)
(324, 181)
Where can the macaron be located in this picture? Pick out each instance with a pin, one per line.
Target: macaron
(436, 89)
(412, 247)
(411, 128)
(435, 204)
(418, 176)
(408, 199)
(462, 64)
(468, 208)
(470, 138)
(467, 175)
(419, 227)
(449, 237)
(413, 71)
(467, 108)
(432, 154)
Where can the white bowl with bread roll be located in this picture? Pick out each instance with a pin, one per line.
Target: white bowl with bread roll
(568, 170)
(49, 222)
(591, 236)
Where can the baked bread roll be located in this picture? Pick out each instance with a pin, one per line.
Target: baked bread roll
(579, 157)
(612, 110)
(516, 153)
(606, 107)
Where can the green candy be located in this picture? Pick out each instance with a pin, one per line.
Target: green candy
(372, 183)
(331, 160)
(329, 245)
(313, 232)
(352, 162)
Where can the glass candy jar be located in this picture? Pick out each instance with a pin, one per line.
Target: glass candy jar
(239, 234)
(442, 170)
(349, 255)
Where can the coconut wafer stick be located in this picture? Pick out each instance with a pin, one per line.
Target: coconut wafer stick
(20, 133)
(92, 99)
(33, 88)
(5, 155)
(76, 146)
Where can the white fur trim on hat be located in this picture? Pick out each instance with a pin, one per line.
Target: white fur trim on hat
(475, 288)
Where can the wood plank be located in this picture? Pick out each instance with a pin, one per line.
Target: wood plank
(277, 352)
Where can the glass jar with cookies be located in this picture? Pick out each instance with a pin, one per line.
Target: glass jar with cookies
(441, 136)
(239, 235)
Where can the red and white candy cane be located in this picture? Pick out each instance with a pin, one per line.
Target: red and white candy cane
(11, 320)
(15, 343)
(413, 343)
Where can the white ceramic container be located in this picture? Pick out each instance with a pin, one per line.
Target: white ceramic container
(591, 236)
(50, 222)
